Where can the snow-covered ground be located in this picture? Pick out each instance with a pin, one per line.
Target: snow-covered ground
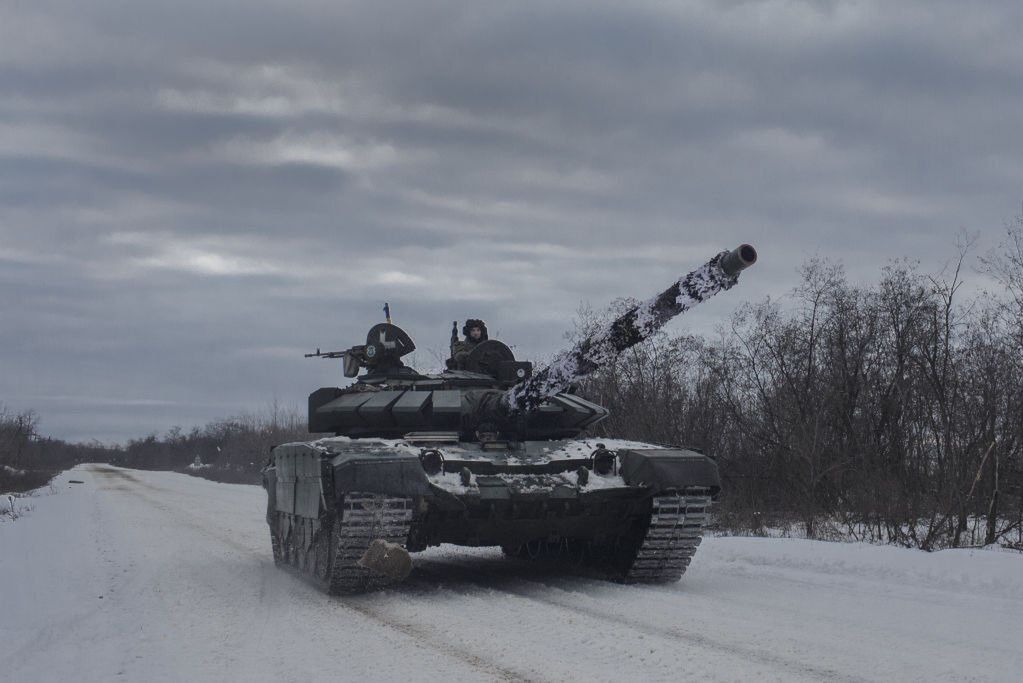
(153, 576)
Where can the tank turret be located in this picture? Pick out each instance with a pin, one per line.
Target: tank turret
(488, 452)
(494, 389)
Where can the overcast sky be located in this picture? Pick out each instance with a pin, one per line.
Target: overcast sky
(193, 194)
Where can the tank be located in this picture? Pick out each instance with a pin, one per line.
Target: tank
(488, 453)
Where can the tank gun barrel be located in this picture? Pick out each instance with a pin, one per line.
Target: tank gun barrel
(737, 260)
(634, 326)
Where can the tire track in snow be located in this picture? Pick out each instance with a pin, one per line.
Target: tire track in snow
(54, 631)
(440, 571)
(423, 635)
(361, 604)
(536, 574)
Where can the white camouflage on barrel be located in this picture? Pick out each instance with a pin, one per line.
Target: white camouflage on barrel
(639, 323)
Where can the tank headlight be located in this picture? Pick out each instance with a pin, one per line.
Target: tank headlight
(432, 461)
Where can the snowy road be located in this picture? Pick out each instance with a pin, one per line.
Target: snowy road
(152, 576)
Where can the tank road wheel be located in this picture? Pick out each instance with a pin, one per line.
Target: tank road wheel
(293, 549)
(275, 545)
(321, 550)
(297, 553)
(283, 541)
(302, 556)
(311, 559)
(310, 555)
(332, 560)
(364, 518)
(664, 549)
(536, 549)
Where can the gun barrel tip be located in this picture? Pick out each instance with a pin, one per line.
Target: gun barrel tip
(747, 253)
(739, 259)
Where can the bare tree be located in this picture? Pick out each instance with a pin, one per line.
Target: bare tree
(17, 429)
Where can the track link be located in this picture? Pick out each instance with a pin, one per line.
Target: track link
(340, 540)
(365, 517)
(671, 539)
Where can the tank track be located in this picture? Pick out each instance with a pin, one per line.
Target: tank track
(365, 518)
(671, 539)
(332, 560)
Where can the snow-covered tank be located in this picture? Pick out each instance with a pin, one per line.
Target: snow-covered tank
(491, 454)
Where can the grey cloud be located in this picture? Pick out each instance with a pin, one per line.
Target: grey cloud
(192, 194)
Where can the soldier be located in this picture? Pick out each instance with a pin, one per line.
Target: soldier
(475, 332)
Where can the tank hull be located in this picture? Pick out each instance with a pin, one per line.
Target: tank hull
(638, 515)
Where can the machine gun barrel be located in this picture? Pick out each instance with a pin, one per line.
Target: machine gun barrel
(629, 329)
(327, 354)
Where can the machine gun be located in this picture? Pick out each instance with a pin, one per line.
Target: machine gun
(385, 344)
(351, 358)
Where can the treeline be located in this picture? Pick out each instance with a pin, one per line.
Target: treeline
(28, 460)
(890, 413)
(230, 450)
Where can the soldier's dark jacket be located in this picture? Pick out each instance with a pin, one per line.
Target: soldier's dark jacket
(460, 350)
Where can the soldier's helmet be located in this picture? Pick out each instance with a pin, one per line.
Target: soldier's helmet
(474, 322)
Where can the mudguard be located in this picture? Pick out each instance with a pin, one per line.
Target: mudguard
(394, 474)
(669, 468)
(298, 485)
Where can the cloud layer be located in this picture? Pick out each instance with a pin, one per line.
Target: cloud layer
(192, 195)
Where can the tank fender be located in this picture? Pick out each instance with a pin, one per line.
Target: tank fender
(669, 468)
(394, 474)
(299, 485)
